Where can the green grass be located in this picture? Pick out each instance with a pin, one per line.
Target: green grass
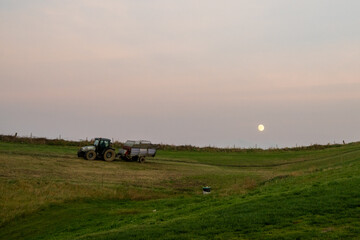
(47, 193)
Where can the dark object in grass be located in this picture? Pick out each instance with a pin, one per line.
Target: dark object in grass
(206, 190)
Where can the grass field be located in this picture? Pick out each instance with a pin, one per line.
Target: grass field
(48, 193)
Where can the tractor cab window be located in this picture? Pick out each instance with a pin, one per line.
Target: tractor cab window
(96, 142)
(104, 143)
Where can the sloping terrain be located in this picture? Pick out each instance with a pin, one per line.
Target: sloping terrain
(48, 193)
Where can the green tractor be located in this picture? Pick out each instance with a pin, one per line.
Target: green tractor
(101, 149)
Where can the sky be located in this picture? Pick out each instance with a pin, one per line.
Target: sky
(199, 72)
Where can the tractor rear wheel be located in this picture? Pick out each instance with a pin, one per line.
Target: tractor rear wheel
(141, 159)
(90, 155)
(109, 155)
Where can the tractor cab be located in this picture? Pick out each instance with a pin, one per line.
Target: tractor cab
(102, 144)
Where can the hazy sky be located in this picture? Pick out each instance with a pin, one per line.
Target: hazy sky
(200, 72)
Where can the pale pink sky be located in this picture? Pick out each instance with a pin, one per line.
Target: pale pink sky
(200, 72)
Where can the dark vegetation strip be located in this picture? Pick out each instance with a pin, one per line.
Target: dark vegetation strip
(167, 147)
(42, 141)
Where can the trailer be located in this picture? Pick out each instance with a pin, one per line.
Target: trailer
(137, 150)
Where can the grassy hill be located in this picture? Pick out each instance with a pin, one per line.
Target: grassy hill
(48, 193)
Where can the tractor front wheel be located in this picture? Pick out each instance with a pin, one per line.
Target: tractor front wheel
(109, 155)
(90, 155)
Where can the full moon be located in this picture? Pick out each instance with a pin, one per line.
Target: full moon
(261, 127)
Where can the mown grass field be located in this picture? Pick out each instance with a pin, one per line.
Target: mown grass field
(46, 192)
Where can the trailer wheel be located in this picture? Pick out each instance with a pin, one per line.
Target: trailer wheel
(109, 155)
(90, 155)
(141, 159)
